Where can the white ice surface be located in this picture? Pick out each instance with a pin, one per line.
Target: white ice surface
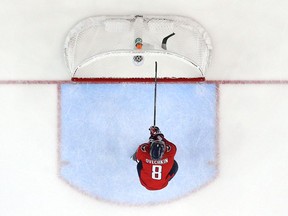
(250, 43)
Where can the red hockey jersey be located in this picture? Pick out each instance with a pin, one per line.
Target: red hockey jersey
(154, 174)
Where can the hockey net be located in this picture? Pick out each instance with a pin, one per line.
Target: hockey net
(103, 48)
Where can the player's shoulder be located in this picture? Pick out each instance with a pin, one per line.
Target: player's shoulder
(144, 147)
(170, 147)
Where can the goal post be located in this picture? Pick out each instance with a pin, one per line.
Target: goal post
(117, 48)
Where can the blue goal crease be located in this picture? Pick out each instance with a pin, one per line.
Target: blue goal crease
(102, 125)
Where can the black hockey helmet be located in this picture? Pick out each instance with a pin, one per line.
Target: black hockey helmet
(157, 149)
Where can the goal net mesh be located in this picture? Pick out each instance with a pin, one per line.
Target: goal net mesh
(104, 47)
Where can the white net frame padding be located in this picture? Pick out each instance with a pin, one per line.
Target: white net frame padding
(103, 48)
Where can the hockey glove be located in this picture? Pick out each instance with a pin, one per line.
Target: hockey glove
(155, 133)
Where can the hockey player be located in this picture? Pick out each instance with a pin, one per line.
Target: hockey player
(155, 161)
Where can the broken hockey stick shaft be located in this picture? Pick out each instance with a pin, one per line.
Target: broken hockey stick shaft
(155, 93)
(164, 41)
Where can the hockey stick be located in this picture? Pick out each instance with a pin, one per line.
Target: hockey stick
(155, 93)
(133, 157)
